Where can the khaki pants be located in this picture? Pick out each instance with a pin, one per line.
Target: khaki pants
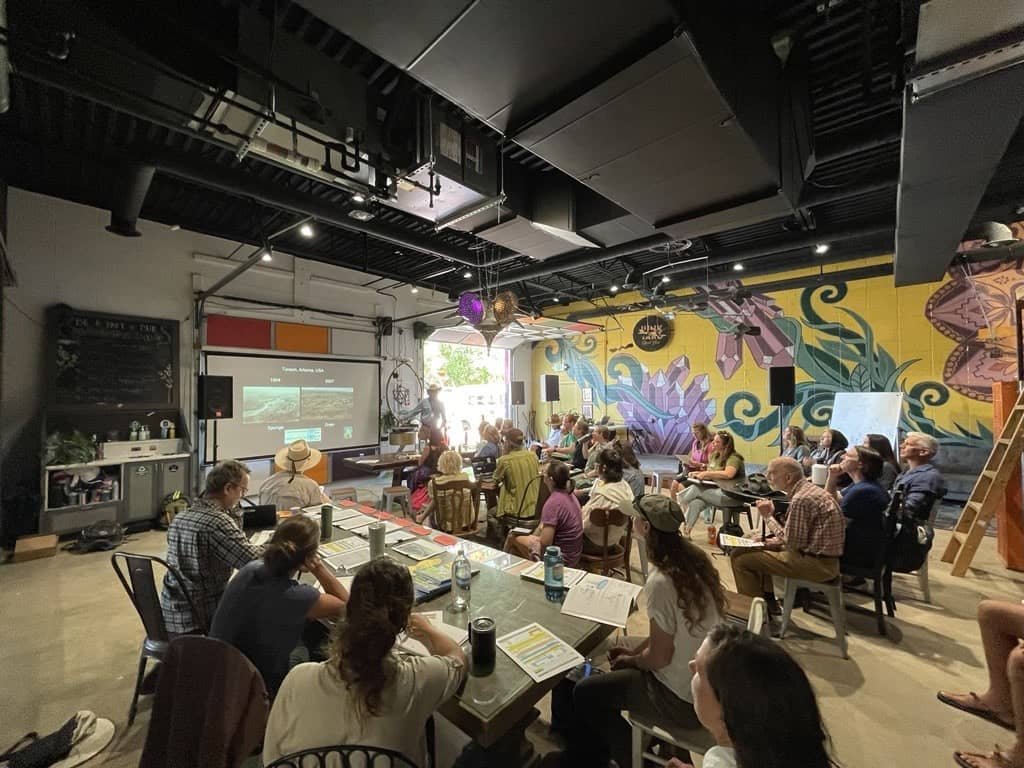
(753, 571)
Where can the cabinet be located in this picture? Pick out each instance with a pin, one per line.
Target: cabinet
(126, 490)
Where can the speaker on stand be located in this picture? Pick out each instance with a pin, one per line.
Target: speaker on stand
(782, 392)
(216, 401)
(549, 391)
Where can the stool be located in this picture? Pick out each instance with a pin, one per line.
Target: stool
(396, 493)
(834, 591)
(699, 740)
(339, 494)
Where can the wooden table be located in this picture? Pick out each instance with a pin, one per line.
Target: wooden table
(396, 462)
(495, 709)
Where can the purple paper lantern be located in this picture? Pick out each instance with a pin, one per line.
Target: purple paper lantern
(471, 307)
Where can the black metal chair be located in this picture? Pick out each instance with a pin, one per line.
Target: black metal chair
(346, 756)
(876, 572)
(524, 518)
(140, 585)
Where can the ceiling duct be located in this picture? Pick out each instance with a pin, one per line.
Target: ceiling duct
(961, 107)
(129, 193)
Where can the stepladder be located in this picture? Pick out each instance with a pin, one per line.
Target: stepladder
(988, 492)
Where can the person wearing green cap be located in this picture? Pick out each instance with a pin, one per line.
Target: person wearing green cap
(651, 676)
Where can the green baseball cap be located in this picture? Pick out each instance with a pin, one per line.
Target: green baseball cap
(660, 511)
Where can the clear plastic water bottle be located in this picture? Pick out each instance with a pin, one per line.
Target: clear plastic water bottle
(462, 579)
(554, 566)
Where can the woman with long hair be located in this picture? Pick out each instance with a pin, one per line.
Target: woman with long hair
(724, 463)
(433, 446)
(366, 692)
(890, 466)
(265, 612)
(863, 503)
(794, 444)
(830, 450)
(631, 468)
(650, 677)
(737, 678)
(700, 448)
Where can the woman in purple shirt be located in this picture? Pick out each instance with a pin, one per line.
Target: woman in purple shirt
(561, 521)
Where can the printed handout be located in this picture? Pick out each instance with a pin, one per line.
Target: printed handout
(601, 599)
(570, 576)
(420, 549)
(539, 652)
(408, 644)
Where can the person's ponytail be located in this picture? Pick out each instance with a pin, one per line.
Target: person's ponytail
(295, 539)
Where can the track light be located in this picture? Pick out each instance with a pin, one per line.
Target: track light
(555, 299)
(414, 289)
(266, 255)
(614, 289)
(737, 267)
(821, 249)
(665, 278)
(306, 230)
(358, 198)
(467, 275)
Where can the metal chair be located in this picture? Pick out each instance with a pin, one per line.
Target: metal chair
(141, 588)
(341, 494)
(506, 523)
(833, 590)
(396, 494)
(876, 572)
(346, 756)
(922, 572)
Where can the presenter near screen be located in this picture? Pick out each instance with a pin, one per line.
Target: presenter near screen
(429, 410)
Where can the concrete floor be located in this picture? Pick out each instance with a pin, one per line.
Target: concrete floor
(69, 640)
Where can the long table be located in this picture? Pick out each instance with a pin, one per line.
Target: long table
(495, 709)
(396, 462)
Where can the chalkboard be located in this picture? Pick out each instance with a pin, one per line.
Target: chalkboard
(102, 360)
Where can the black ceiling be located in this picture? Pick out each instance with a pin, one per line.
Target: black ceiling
(61, 140)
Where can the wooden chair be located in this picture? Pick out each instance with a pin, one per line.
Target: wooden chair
(454, 507)
(524, 517)
(613, 555)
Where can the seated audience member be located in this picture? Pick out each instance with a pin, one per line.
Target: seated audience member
(863, 504)
(890, 467)
(631, 472)
(700, 448)
(922, 484)
(650, 676)
(516, 476)
(489, 448)
(480, 429)
(723, 464)
(205, 543)
(600, 436)
(1002, 703)
(737, 677)
(609, 492)
(367, 693)
(831, 447)
(264, 610)
(449, 468)
(426, 467)
(808, 547)
(561, 521)
(558, 435)
(581, 433)
(290, 488)
(794, 444)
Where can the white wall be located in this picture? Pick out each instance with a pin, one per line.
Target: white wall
(61, 253)
(522, 370)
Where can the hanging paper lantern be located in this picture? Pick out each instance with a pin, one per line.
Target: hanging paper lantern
(471, 307)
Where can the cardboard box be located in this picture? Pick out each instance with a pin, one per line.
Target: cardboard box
(35, 547)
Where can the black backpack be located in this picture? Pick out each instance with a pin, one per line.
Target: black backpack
(911, 544)
(98, 537)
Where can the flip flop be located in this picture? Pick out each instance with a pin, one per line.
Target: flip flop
(978, 711)
(996, 758)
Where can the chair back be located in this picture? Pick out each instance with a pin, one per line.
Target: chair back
(140, 584)
(454, 506)
(758, 615)
(347, 756)
(526, 511)
(608, 559)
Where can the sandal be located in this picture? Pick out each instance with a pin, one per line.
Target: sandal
(995, 759)
(978, 710)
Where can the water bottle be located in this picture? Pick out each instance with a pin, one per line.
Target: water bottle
(554, 565)
(462, 578)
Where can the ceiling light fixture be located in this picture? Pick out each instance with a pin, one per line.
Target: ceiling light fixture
(306, 230)
(737, 267)
(360, 215)
(821, 249)
(614, 289)
(665, 278)
(358, 198)
(414, 289)
(467, 275)
(555, 299)
(266, 256)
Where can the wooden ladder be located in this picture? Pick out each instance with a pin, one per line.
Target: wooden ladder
(987, 493)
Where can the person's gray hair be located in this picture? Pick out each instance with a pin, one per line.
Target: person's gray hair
(929, 442)
(224, 474)
(789, 468)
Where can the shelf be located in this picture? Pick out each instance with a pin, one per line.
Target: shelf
(83, 506)
(115, 462)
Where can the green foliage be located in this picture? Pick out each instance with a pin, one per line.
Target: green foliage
(62, 448)
(463, 365)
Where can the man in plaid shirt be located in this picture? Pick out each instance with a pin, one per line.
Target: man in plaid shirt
(807, 547)
(205, 544)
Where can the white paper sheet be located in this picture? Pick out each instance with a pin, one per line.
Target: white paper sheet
(332, 548)
(570, 576)
(352, 523)
(459, 635)
(420, 549)
(349, 560)
(397, 537)
(539, 652)
(728, 540)
(260, 538)
(364, 530)
(601, 599)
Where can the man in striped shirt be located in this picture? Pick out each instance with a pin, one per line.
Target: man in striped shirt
(808, 546)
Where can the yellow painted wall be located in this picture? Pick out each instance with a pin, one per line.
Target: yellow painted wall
(901, 321)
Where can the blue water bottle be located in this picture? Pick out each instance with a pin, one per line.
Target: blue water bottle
(553, 574)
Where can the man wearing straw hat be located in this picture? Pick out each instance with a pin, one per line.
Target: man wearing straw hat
(429, 410)
(289, 487)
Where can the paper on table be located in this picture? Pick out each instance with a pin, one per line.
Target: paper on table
(346, 582)
(420, 549)
(346, 513)
(364, 530)
(570, 576)
(349, 560)
(332, 548)
(260, 538)
(408, 644)
(353, 522)
(601, 599)
(540, 654)
(397, 537)
(728, 540)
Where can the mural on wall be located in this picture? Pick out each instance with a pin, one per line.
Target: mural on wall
(838, 352)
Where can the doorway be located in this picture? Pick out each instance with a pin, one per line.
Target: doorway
(475, 386)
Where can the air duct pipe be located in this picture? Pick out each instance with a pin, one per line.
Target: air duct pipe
(129, 195)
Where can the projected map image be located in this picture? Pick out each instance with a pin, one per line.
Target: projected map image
(270, 405)
(327, 402)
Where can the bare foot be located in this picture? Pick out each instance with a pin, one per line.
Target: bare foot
(996, 759)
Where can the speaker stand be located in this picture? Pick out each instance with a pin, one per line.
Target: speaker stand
(214, 441)
(782, 428)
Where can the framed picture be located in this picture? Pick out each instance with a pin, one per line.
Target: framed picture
(588, 394)
(587, 411)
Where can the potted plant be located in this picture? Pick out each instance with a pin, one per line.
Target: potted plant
(64, 448)
(388, 421)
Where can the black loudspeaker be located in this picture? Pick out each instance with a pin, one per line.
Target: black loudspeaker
(782, 385)
(215, 397)
(518, 393)
(548, 388)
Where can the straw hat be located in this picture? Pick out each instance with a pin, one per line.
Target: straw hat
(297, 457)
(434, 388)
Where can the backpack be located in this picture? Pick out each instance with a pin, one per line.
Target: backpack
(911, 544)
(101, 536)
(171, 505)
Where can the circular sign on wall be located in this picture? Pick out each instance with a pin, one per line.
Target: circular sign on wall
(652, 333)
